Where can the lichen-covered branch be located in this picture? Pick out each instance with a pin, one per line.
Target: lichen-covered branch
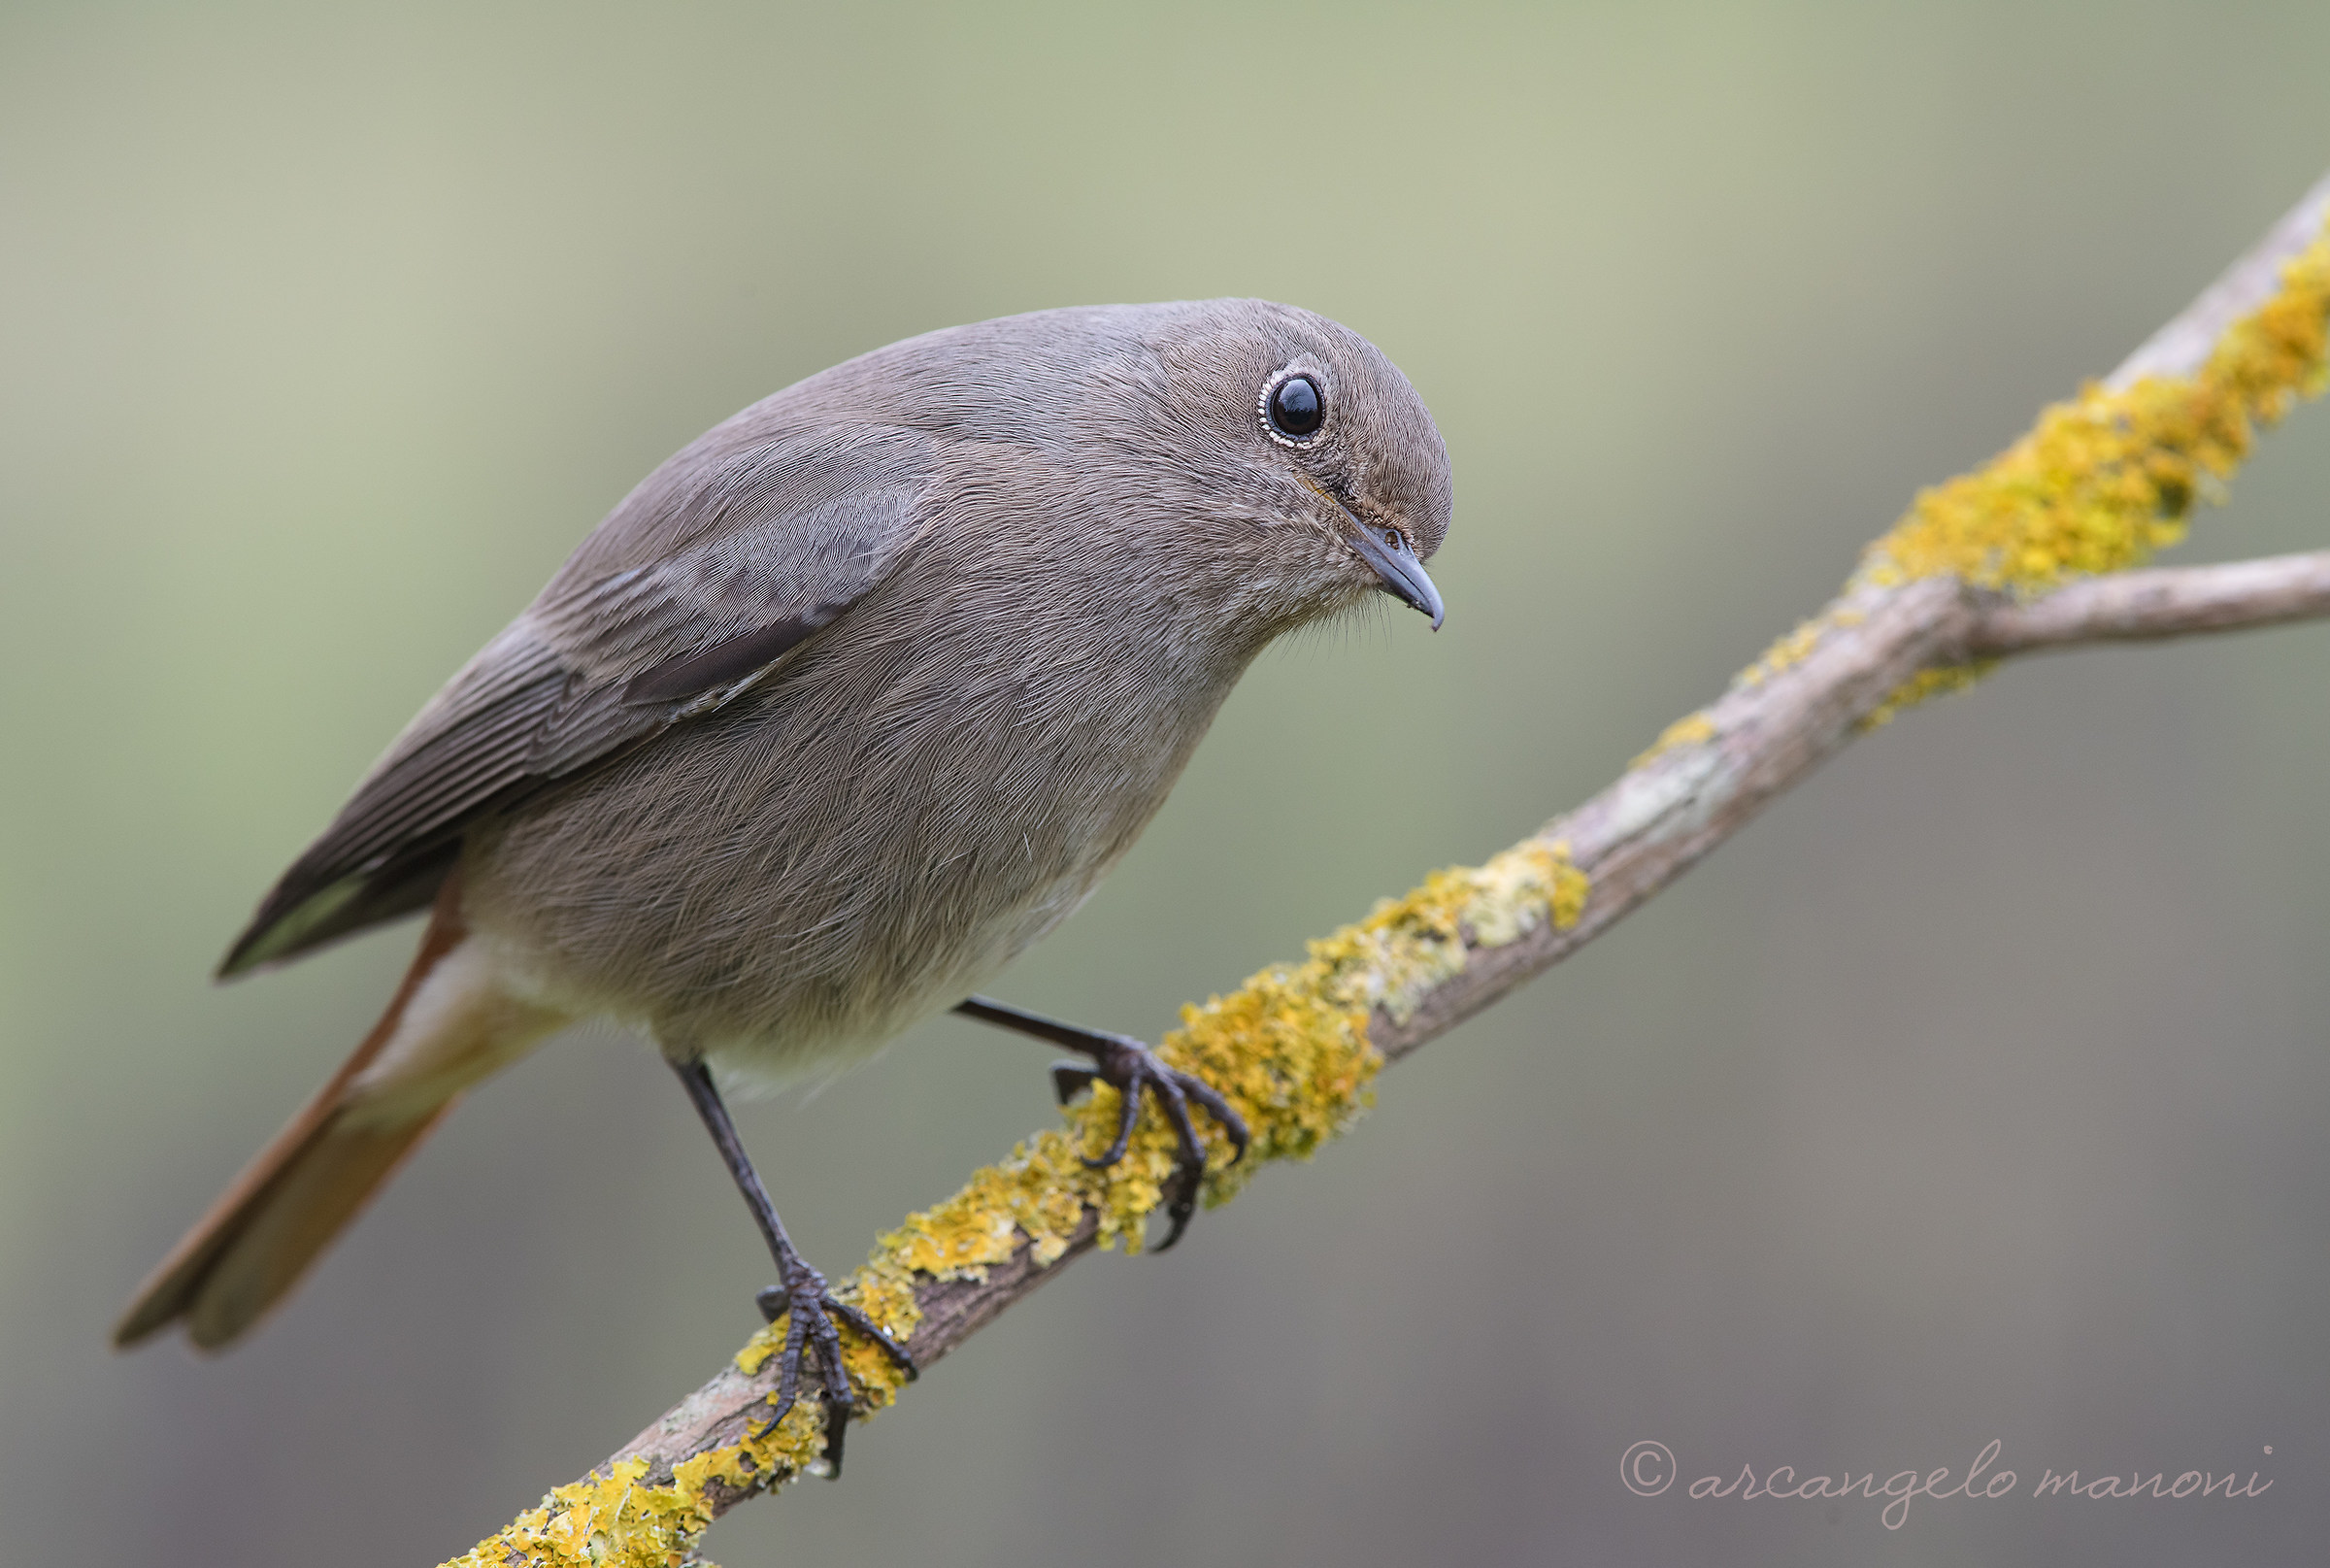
(2004, 561)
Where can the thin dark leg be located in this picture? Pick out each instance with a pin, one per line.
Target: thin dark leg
(1131, 1067)
(800, 1289)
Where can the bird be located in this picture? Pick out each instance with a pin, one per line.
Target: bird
(848, 702)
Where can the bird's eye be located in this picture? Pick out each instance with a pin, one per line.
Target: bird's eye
(1296, 408)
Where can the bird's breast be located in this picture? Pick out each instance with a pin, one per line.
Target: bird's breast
(794, 881)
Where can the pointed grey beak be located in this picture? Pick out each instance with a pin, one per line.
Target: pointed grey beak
(1402, 575)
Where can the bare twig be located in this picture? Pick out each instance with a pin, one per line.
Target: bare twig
(2179, 347)
(1883, 642)
(2136, 606)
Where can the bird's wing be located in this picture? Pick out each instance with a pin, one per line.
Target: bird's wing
(691, 593)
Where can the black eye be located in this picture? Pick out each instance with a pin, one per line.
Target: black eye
(1297, 410)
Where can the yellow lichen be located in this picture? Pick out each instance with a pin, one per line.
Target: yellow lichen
(620, 1519)
(2106, 478)
(1288, 1049)
(2103, 481)
(1692, 729)
(1788, 650)
(1933, 683)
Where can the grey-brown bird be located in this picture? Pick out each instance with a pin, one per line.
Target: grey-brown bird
(851, 700)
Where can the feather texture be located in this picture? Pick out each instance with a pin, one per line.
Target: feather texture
(723, 561)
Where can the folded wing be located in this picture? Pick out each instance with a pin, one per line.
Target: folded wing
(698, 588)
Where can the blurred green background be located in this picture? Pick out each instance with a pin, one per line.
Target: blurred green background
(1975, 1092)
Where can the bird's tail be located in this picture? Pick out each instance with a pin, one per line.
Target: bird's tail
(450, 1023)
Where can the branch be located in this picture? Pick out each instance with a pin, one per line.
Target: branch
(2001, 562)
(2140, 606)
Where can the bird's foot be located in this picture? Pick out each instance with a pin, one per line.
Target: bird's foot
(1131, 1068)
(811, 1310)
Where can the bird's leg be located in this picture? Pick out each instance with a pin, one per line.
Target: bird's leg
(800, 1289)
(1131, 1067)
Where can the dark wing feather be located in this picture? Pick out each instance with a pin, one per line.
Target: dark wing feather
(692, 591)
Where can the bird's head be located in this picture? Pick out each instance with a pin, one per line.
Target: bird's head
(1317, 468)
(1260, 459)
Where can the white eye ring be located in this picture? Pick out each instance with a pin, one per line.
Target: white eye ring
(1277, 421)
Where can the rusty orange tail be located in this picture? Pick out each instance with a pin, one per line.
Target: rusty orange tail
(448, 1024)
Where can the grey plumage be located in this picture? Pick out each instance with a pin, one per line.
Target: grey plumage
(850, 701)
(1046, 546)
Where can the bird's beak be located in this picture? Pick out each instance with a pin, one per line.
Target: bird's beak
(1403, 576)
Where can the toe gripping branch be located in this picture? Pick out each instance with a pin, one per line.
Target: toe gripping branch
(1132, 1069)
(809, 1310)
(802, 1292)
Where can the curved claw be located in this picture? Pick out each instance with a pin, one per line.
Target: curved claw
(858, 1319)
(811, 1312)
(1187, 1170)
(1232, 1124)
(1129, 1095)
(1069, 1079)
(1133, 1069)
